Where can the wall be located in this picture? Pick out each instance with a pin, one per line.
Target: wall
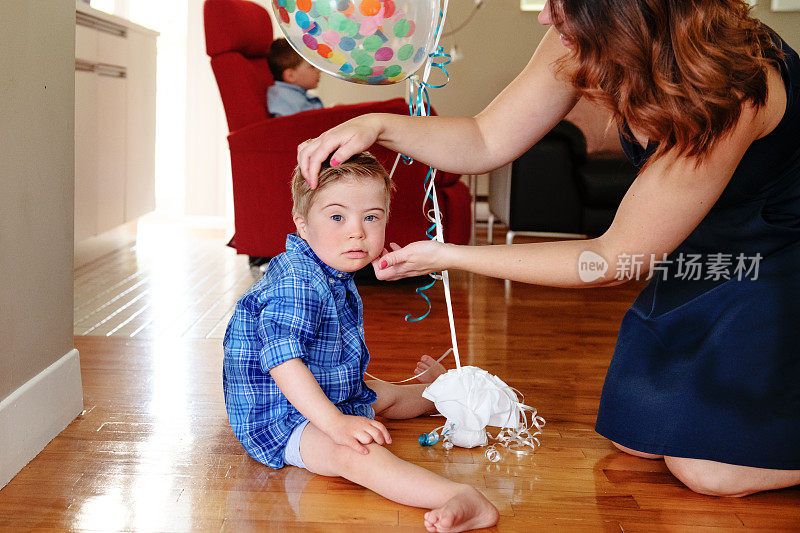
(39, 373)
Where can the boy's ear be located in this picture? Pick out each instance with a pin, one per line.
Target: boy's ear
(289, 75)
(300, 224)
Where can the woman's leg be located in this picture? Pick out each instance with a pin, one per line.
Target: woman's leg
(455, 507)
(722, 479)
(637, 454)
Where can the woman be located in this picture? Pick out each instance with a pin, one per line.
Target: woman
(705, 373)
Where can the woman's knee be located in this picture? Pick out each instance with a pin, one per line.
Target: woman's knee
(636, 453)
(709, 477)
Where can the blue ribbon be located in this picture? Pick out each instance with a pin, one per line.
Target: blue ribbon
(417, 102)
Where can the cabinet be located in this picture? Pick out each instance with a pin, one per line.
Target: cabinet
(115, 96)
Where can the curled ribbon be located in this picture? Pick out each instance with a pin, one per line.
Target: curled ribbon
(522, 441)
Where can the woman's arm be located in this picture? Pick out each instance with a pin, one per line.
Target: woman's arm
(661, 208)
(517, 118)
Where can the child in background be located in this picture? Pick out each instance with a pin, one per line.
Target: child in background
(293, 76)
(295, 355)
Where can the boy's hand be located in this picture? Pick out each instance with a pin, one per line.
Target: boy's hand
(355, 431)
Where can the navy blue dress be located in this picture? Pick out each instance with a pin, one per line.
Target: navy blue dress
(710, 368)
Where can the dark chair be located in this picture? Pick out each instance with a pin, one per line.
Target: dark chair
(555, 190)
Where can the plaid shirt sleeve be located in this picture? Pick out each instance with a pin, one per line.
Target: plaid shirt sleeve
(288, 322)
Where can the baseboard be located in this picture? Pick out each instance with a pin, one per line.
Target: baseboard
(95, 247)
(35, 413)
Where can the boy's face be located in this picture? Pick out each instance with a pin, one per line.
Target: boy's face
(346, 223)
(303, 75)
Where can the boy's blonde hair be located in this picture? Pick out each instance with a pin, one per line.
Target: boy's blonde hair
(360, 166)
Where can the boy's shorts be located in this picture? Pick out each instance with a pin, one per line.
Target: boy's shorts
(291, 454)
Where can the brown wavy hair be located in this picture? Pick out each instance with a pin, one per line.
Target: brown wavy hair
(678, 71)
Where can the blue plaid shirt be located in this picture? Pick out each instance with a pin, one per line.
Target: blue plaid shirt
(302, 308)
(287, 99)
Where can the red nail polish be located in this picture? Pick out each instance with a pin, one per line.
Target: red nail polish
(384, 264)
(334, 162)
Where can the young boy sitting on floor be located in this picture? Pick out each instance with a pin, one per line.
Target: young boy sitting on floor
(295, 355)
(293, 76)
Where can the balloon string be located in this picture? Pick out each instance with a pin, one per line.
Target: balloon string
(445, 354)
(419, 105)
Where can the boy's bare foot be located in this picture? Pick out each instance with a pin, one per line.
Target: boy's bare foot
(431, 369)
(469, 509)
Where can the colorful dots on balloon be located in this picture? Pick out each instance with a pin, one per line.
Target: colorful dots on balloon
(372, 43)
(392, 71)
(309, 41)
(363, 41)
(337, 58)
(405, 52)
(351, 28)
(401, 28)
(314, 29)
(301, 17)
(331, 37)
(388, 8)
(369, 8)
(384, 54)
(349, 9)
(363, 58)
(323, 7)
(368, 27)
(363, 70)
(337, 21)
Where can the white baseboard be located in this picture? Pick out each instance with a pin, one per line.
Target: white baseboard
(92, 248)
(35, 413)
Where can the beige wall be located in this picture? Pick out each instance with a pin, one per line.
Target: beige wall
(37, 82)
(494, 48)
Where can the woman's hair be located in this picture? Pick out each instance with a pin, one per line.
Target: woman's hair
(678, 71)
(361, 167)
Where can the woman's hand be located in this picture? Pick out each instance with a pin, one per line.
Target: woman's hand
(343, 141)
(416, 259)
(355, 431)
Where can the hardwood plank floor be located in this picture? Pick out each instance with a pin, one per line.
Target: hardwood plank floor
(153, 450)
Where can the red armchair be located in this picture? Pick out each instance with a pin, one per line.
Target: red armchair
(264, 150)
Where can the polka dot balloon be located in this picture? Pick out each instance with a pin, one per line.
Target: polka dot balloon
(374, 42)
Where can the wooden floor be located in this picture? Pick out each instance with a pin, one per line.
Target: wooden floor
(153, 450)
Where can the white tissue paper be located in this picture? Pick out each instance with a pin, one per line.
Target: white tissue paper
(471, 399)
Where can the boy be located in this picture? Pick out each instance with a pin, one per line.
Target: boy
(295, 355)
(293, 76)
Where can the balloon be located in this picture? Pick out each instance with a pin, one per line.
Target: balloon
(374, 42)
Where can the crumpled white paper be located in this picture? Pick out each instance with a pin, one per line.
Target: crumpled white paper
(471, 399)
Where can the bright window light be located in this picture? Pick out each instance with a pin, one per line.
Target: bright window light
(531, 5)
